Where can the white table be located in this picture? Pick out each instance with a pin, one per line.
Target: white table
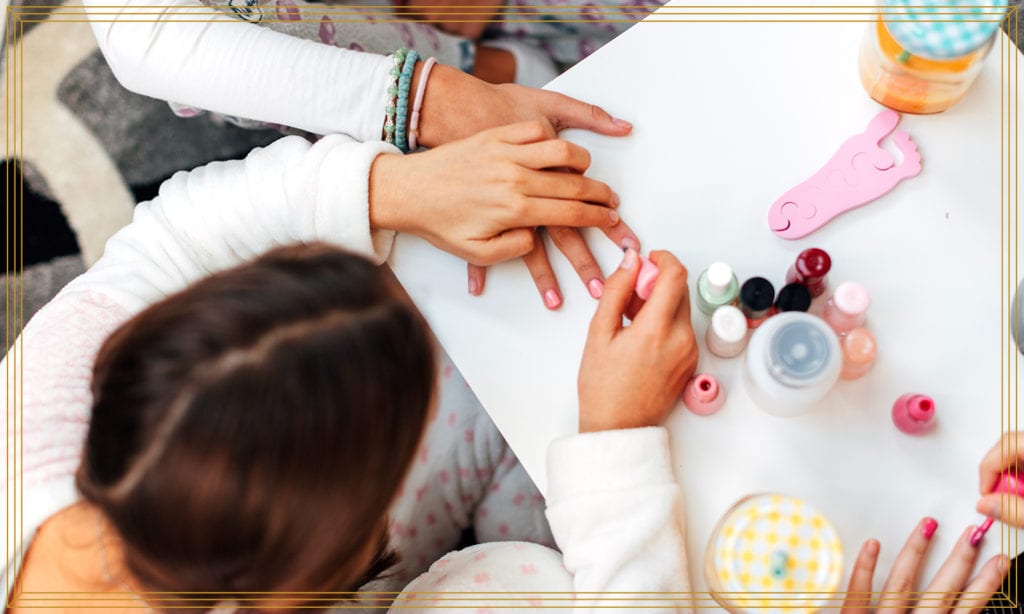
(728, 116)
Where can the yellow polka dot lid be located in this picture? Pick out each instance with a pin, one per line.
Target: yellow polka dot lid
(773, 553)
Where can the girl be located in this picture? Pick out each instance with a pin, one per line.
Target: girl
(274, 412)
(223, 61)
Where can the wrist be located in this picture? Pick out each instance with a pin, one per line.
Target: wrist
(385, 175)
(447, 114)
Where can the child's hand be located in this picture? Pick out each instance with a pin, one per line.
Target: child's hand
(632, 376)
(1008, 454)
(952, 587)
(481, 198)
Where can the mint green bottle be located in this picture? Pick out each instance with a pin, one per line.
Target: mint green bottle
(716, 286)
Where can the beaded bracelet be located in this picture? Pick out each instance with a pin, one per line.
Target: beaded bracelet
(402, 113)
(414, 123)
(390, 109)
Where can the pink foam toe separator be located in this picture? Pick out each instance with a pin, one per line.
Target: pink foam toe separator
(859, 172)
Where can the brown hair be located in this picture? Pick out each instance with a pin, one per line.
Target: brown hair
(249, 433)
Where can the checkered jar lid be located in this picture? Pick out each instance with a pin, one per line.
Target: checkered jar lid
(777, 544)
(942, 29)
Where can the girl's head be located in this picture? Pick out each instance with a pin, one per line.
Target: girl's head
(249, 433)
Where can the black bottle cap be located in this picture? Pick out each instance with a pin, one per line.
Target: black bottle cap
(793, 297)
(757, 294)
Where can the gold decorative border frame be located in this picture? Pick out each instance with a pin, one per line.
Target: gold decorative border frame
(14, 495)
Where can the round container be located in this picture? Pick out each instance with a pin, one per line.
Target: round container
(921, 56)
(727, 332)
(716, 286)
(769, 543)
(792, 361)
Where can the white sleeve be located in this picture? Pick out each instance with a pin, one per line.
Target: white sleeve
(225, 213)
(616, 512)
(185, 52)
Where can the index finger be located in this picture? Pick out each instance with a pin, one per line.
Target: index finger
(1007, 453)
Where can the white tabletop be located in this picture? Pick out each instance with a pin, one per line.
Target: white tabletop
(727, 117)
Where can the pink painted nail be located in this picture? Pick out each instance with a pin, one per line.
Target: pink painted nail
(977, 534)
(930, 524)
(551, 299)
(474, 286)
(596, 287)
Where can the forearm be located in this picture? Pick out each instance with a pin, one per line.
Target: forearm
(207, 59)
(225, 213)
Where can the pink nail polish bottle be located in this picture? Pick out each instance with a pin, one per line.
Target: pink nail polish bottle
(727, 332)
(703, 395)
(847, 309)
(859, 350)
(645, 280)
(913, 413)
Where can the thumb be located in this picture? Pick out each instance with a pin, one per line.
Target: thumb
(618, 290)
(566, 112)
(1005, 508)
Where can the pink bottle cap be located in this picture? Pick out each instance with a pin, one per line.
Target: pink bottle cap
(1010, 485)
(851, 298)
(645, 280)
(702, 395)
(921, 407)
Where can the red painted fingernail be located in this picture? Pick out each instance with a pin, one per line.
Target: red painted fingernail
(596, 287)
(551, 299)
(930, 524)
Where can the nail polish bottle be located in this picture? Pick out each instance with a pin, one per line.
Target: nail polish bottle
(793, 297)
(793, 360)
(858, 353)
(646, 278)
(811, 269)
(847, 309)
(716, 286)
(703, 395)
(913, 414)
(756, 297)
(727, 332)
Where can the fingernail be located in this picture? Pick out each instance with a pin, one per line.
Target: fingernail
(613, 217)
(474, 286)
(615, 199)
(551, 299)
(629, 260)
(928, 529)
(596, 287)
(621, 123)
(630, 243)
(976, 535)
